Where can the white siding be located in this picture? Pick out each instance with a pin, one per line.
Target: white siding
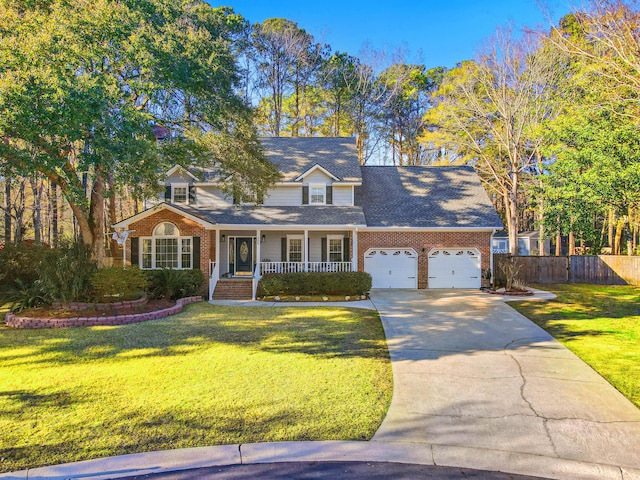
(284, 196)
(270, 250)
(317, 177)
(211, 196)
(179, 176)
(342, 195)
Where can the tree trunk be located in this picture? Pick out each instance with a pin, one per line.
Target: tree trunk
(617, 242)
(511, 204)
(559, 239)
(97, 216)
(36, 189)
(113, 245)
(7, 210)
(19, 207)
(612, 221)
(541, 234)
(572, 243)
(54, 214)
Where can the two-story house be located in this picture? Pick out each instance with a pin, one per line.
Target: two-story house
(409, 227)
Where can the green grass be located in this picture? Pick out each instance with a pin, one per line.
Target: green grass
(600, 324)
(208, 376)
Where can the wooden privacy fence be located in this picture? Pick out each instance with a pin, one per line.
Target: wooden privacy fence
(595, 269)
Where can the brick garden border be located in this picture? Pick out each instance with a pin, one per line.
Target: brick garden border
(17, 321)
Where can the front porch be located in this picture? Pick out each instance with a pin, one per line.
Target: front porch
(250, 254)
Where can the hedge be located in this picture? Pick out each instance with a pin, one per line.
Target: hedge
(314, 283)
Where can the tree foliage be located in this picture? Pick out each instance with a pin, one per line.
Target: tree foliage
(489, 112)
(82, 84)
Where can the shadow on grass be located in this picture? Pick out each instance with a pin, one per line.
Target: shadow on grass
(325, 332)
(23, 400)
(140, 432)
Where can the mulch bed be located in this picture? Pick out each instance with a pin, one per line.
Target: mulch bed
(50, 312)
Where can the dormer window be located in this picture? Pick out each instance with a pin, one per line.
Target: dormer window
(180, 194)
(318, 194)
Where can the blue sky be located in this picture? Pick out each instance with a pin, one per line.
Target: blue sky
(432, 32)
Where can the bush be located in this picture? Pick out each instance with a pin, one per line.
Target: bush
(32, 275)
(117, 283)
(315, 283)
(20, 296)
(173, 284)
(20, 263)
(65, 273)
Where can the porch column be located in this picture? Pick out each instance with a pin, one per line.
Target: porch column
(354, 250)
(305, 250)
(216, 259)
(258, 244)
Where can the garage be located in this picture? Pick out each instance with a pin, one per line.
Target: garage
(392, 267)
(454, 268)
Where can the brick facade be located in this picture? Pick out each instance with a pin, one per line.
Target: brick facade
(422, 243)
(186, 227)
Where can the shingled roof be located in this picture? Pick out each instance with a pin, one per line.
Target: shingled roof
(321, 215)
(295, 155)
(425, 197)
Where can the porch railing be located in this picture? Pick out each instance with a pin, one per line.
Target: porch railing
(499, 250)
(291, 267)
(256, 279)
(214, 275)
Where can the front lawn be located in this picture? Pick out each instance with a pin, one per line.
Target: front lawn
(207, 376)
(600, 324)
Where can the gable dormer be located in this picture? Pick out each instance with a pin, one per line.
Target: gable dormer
(179, 186)
(317, 186)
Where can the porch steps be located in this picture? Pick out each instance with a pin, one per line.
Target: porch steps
(233, 289)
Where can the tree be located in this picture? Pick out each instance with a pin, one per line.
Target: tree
(82, 85)
(338, 79)
(408, 94)
(286, 57)
(489, 112)
(596, 134)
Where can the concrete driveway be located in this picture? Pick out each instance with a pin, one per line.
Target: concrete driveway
(487, 388)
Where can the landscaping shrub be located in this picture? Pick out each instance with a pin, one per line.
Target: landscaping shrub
(65, 273)
(117, 283)
(314, 283)
(20, 263)
(173, 284)
(20, 295)
(32, 275)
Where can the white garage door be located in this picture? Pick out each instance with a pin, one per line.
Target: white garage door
(454, 268)
(392, 267)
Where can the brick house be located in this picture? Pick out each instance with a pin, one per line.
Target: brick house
(409, 227)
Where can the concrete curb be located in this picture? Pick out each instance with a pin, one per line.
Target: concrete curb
(334, 451)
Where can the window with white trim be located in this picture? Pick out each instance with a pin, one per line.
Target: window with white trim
(317, 193)
(294, 248)
(166, 249)
(180, 193)
(335, 248)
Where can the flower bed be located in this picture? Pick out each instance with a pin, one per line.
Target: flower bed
(21, 321)
(75, 306)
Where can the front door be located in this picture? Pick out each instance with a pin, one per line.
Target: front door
(244, 256)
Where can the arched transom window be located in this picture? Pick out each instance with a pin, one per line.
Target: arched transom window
(166, 248)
